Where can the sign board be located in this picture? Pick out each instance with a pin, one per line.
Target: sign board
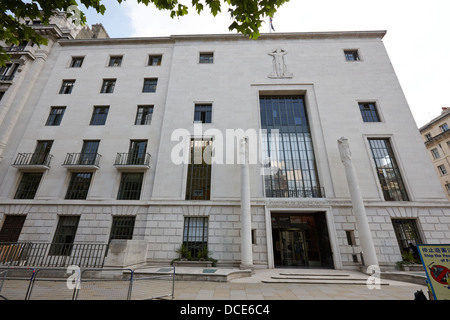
(436, 262)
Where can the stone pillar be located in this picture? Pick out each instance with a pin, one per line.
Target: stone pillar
(246, 218)
(365, 237)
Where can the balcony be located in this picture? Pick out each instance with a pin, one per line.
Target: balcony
(82, 161)
(132, 161)
(33, 161)
(315, 192)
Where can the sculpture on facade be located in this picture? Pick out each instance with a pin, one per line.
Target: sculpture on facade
(279, 66)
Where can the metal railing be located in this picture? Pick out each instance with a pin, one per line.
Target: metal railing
(53, 254)
(132, 159)
(33, 159)
(316, 192)
(14, 48)
(74, 283)
(82, 159)
(6, 78)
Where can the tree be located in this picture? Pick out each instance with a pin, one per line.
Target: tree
(247, 15)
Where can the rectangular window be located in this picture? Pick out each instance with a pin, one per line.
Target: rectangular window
(64, 236)
(108, 86)
(150, 85)
(55, 116)
(388, 172)
(447, 187)
(137, 152)
(198, 185)
(407, 234)
(2, 93)
(28, 185)
(428, 136)
(144, 115)
(89, 150)
(8, 71)
(42, 152)
(442, 170)
(154, 60)
(67, 87)
(11, 228)
(122, 228)
(99, 116)
(76, 62)
(130, 186)
(444, 127)
(351, 55)
(203, 113)
(79, 185)
(288, 150)
(115, 61)
(369, 112)
(195, 234)
(206, 57)
(435, 153)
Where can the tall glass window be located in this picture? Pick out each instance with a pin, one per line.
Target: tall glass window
(387, 170)
(288, 153)
(198, 185)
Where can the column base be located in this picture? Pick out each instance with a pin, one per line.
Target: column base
(247, 267)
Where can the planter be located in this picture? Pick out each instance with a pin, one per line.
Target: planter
(186, 263)
(411, 267)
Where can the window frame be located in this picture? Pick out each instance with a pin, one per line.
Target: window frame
(143, 118)
(99, 118)
(76, 62)
(373, 114)
(113, 59)
(150, 85)
(153, 56)
(66, 229)
(28, 185)
(442, 170)
(82, 186)
(199, 175)
(108, 86)
(55, 119)
(195, 233)
(126, 193)
(67, 86)
(206, 57)
(354, 53)
(203, 116)
(122, 228)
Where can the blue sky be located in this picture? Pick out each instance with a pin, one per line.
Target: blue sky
(417, 40)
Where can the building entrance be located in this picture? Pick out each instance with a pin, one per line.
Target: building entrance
(301, 240)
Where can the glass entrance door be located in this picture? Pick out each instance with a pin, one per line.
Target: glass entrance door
(292, 247)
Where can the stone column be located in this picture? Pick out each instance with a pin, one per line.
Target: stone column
(365, 237)
(246, 218)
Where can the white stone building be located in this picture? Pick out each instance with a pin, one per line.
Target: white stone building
(96, 149)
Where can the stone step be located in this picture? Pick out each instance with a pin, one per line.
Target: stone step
(303, 278)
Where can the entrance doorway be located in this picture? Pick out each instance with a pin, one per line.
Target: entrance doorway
(301, 240)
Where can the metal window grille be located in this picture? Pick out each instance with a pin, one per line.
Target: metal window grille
(28, 185)
(122, 228)
(115, 61)
(11, 228)
(195, 234)
(369, 112)
(130, 186)
(407, 233)
(207, 57)
(150, 85)
(64, 236)
(144, 115)
(79, 185)
(351, 55)
(67, 86)
(154, 60)
(55, 116)
(288, 152)
(108, 85)
(76, 62)
(203, 113)
(388, 172)
(99, 116)
(198, 185)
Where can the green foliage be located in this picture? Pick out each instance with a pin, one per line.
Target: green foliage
(247, 15)
(186, 254)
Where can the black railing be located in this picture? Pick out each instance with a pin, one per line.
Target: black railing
(82, 159)
(316, 192)
(132, 159)
(33, 159)
(6, 78)
(53, 254)
(14, 48)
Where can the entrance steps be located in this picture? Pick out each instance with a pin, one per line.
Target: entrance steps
(321, 278)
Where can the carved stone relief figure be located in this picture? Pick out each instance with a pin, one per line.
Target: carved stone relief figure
(279, 66)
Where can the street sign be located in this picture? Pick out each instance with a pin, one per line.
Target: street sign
(436, 262)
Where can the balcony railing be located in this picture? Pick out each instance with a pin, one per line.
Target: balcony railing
(33, 160)
(132, 160)
(6, 78)
(316, 192)
(14, 48)
(82, 160)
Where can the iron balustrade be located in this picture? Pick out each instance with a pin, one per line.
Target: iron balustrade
(317, 192)
(33, 159)
(6, 78)
(83, 159)
(14, 48)
(132, 159)
(90, 255)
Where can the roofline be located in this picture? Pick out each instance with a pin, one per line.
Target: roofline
(230, 37)
(437, 119)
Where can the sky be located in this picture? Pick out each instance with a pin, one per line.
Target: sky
(417, 39)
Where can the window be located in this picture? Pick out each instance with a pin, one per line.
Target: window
(388, 172)
(150, 85)
(442, 170)
(287, 148)
(42, 152)
(2, 93)
(115, 61)
(55, 116)
(99, 116)
(11, 228)
(369, 112)
(89, 150)
(108, 86)
(198, 185)
(428, 136)
(28, 185)
(154, 60)
(122, 228)
(79, 185)
(144, 115)
(444, 127)
(447, 187)
(64, 236)
(203, 113)
(351, 55)
(206, 57)
(67, 86)
(76, 62)
(435, 153)
(195, 234)
(130, 186)
(137, 152)
(7, 72)
(407, 234)
(350, 237)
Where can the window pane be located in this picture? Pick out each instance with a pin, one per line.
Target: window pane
(55, 116)
(150, 85)
(198, 185)
(195, 234)
(79, 185)
(369, 112)
(99, 116)
(115, 61)
(207, 57)
(67, 86)
(130, 186)
(28, 185)
(154, 60)
(122, 228)
(64, 236)
(144, 115)
(203, 113)
(407, 234)
(76, 62)
(11, 228)
(108, 86)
